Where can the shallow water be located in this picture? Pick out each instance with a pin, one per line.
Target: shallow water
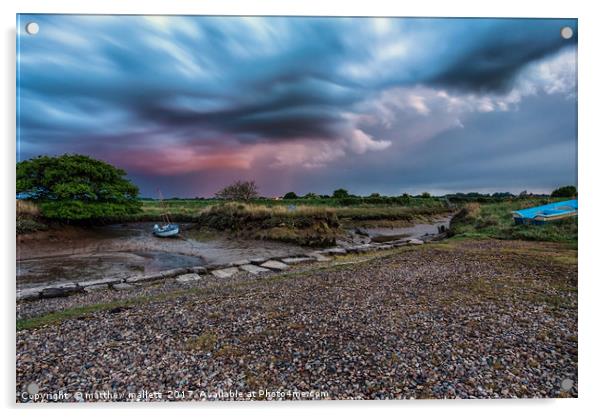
(384, 234)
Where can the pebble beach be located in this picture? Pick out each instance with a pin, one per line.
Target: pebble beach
(467, 319)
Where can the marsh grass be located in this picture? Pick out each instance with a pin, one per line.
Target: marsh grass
(28, 217)
(494, 220)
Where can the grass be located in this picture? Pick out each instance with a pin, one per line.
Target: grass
(494, 220)
(204, 342)
(28, 218)
(71, 313)
(359, 209)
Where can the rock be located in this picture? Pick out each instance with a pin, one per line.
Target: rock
(298, 260)
(122, 286)
(198, 270)
(319, 257)
(399, 244)
(186, 278)
(102, 281)
(225, 273)
(29, 294)
(360, 248)
(361, 232)
(258, 261)
(62, 290)
(275, 265)
(241, 262)
(53, 292)
(334, 251)
(254, 269)
(173, 272)
(384, 247)
(97, 287)
(144, 278)
(415, 242)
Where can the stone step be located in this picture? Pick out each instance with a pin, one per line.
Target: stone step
(186, 278)
(275, 265)
(298, 260)
(225, 272)
(254, 269)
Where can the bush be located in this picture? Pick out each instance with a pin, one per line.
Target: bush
(566, 191)
(77, 187)
(340, 193)
(240, 190)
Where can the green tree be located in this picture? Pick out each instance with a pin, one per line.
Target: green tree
(425, 195)
(240, 190)
(310, 195)
(566, 191)
(290, 196)
(340, 193)
(77, 187)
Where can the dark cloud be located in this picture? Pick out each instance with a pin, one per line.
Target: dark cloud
(495, 55)
(107, 85)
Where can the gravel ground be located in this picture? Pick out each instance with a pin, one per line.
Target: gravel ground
(462, 320)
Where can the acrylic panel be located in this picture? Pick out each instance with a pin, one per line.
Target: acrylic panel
(283, 208)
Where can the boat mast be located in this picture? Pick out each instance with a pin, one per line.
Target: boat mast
(163, 205)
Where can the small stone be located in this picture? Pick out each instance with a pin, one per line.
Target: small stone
(225, 273)
(254, 269)
(275, 265)
(186, 278)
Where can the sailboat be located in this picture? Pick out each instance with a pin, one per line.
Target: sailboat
(167, 229)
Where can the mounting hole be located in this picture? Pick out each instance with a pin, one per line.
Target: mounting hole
(566, 32)
(32, 28)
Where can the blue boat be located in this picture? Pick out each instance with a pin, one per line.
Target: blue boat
(167, 230)
(546, 213)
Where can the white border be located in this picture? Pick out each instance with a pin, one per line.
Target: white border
(590, 136)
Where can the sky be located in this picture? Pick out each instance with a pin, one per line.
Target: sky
(189, 104)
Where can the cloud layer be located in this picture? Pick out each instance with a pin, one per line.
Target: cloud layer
(304, 104)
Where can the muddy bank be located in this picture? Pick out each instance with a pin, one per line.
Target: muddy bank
(355, 235)
(83, 254)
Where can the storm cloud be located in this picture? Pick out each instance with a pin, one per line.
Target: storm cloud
(191, 103)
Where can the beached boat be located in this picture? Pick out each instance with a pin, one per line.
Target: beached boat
(546, 213)
(168, 229)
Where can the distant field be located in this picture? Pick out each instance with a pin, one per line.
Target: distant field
(371, 210)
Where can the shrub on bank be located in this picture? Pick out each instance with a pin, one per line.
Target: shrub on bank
(311, 226)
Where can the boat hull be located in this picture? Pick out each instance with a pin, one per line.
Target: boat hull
(547, 213)
(166, 231)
